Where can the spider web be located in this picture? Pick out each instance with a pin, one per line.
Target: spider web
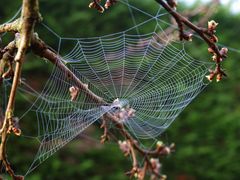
(145, 71)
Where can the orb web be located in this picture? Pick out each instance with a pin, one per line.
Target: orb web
(146, 72)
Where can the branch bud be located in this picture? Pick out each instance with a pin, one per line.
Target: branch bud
(210, 50)
(166, 150)
(211, 75)
(124, 147)
(212, 25)
(224, 52)
(136, 175)
(172, 3)
(155, 165)
(15, 127)
(187, 37)
(109, 3)
(214, 38)
(95, 4)
(17, 131)
(210, 78)
(74, 91)
(164, 177)
(219, 77)
(214, 57)
(160, 144)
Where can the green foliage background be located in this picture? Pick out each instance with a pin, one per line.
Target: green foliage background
(206, 134)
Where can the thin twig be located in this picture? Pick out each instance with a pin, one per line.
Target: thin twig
(29, 17)
(10, 27)
(202, 32)
(42, 50)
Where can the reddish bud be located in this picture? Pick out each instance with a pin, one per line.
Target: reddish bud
(210, 50)
(210, 76)
(224, 51)
(167, 150)
(141, 174)
(214, 38)
(96, 5)
(124, 147)
(187, 37)
(219, 77)
(214, 57)
(109, 3)
(155, 165)
(74, 91)
(17, 131)
(172, 3)
(160, 144)
(212, 25)
(15, 127)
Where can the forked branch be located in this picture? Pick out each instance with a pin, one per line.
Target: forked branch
(207, 34)
(41, 49)
(25, 27)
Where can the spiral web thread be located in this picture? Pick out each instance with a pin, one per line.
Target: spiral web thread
(147, 72)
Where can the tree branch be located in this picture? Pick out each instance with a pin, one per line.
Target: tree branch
(10, 27)
(42, 50)
(25, 26)
(208, 35)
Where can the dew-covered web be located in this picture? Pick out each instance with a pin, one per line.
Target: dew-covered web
(143, 71)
